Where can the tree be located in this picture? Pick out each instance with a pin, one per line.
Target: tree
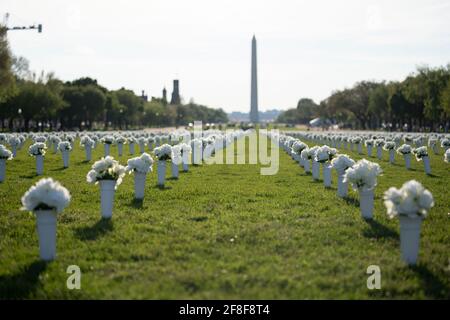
(6, 75)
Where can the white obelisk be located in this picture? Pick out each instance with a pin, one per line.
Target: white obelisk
(254, 117)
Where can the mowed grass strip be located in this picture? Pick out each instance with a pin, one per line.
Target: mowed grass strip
(221, 232)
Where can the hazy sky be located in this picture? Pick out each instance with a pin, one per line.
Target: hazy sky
(305, 48)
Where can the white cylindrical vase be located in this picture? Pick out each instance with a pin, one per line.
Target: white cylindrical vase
(139, 184)
(46, 230)
(161, 172)
(306, 165)
(120, 149)
(141, 147)
(175, 170)
(107, 191)
(409, 238)
(132, 147)
(379, 153)
(65, 156)
(391, 155)
(2, 169)
(426, 164)
(359, 148)
(366, 203)
(326, 175)
(369, 150)
(107, 149)
(342, 189)
(14, 151)
(88, 151)
(315, 170)
(407, 158)
(39, 164)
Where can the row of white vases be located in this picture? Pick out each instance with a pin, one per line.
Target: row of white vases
(409, 228)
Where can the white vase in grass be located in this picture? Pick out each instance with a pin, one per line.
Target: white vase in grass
(369, 150)
(141, 147)
(14, 151)
(2, 170)
(379, 152)
(407, 158)
(140, 166)
(175, 170)
(47, 198)
(392, 156)
(120, 148)
(132, 148)
(109, 174)
(426, 164)
(88, 152)
(359, 147)
(39, 165)
(65, 156)
(410, 204)
(363, 177)
(139, 185)
(326, 175)
(366, 202)
(161, 172)
(107, 149)
(46, 229)
(315, 170)
(341, 163)
(185, 156)
(5, 155)
(107, 191)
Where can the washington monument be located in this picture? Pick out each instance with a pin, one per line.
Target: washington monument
(254, 118)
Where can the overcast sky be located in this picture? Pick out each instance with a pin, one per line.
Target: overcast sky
(305, 48)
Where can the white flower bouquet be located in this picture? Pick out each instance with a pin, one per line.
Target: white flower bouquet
(106, 169)
(447, 156)
(411, 200)
(87, 142)
(142, 164)
(445, 143)
(404, 149)
(420, 153)
(342, 162)
(47, 198)
(389, 145)
(163, 152)
(298, 147)
(410, 204)
(369, 143)
(37, 149)
(120, 139)
(46, 194)
(363, 175)
(64, 146)
(108, 139)
(5, 154)
(324, 154)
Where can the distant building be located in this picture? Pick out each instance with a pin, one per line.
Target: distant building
(164, 95)
(144, 97)
(175, 93)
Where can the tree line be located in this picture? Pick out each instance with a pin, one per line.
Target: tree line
(419, 102)
(40, 102)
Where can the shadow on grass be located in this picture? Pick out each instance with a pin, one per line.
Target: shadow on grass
(432, 175)
(137, 203)
(23, 283)
(379, 231)
(99, 229)
(59, 169)
(433, 286)
(162, 188)
(172, 178)
(351, 201)
(29, 176)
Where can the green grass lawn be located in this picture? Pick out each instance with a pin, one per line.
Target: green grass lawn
(221, 232)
